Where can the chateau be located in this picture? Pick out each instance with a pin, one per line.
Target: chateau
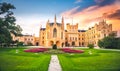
(55, 33)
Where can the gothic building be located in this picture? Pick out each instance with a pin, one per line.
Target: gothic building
(55, 33)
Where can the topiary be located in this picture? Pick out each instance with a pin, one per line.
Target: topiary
(91, 46)
(54, 46)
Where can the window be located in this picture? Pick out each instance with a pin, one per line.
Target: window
(61, 35)
(65, 38)
(76, 38)
(55, 32)
(79, 44)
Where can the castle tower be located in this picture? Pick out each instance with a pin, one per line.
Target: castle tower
(62, 23)
(47, 24)
(55, 19)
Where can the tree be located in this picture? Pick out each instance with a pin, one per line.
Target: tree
(100, 43)
(7, 23)
(110, 41)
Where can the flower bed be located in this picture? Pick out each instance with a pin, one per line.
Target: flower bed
(68, 50)
(36, 50)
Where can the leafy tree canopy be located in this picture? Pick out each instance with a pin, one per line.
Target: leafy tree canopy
(7, 23)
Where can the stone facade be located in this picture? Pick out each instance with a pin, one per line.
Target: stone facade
(26, 39)
(55, 33)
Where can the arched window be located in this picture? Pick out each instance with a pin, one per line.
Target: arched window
(54, 32)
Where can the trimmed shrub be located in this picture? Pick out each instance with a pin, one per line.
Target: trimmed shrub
(20, 43)
(54, 46)
(91, 46)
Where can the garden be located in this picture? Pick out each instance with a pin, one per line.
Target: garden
(71, 59)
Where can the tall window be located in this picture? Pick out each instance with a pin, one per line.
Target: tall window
(55, 32)
(61, 35)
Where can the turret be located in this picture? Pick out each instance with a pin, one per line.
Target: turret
(62, 23)
(47, 24)
(55, 19)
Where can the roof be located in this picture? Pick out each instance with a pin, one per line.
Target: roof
(51, 24)
(65, 30)
(42, 28)
(81, 30)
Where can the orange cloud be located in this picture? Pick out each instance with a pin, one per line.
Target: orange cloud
(94, 14)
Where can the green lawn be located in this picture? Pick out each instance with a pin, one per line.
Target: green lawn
(99, 60)
(21, 61)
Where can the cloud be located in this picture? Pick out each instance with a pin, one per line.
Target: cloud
(104, 2)
(89, 16)
(98, 1)
(70, 12)
(114, 15)
(31, 23)
(78, 1)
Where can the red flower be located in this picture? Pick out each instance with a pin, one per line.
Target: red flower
(36, 50)
(68, 50)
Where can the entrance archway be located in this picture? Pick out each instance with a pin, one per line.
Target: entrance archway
(51, 43)
(37, 43)
(66, 43)
(57, 43)
(62, 44)
(73, 43)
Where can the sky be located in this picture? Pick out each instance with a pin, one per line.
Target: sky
(31, 14)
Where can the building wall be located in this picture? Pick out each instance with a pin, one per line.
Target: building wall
(99, 31)
(26, 39)
(52, 34)
(72, 36)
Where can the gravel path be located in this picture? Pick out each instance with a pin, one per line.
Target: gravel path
(54, 64)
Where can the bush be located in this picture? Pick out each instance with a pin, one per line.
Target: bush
(91, 46)
(20, 43)
(54, 46)
(29, 44)
(109, 42)
(100, 43)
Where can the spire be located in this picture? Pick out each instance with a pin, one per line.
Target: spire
(62, 23)
(40, 26)
(55, 19)
(48, 21)
(62, 20)
(47, 25)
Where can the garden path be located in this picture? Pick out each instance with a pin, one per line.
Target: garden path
(54, 64)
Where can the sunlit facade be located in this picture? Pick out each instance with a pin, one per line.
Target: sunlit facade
(55, 33)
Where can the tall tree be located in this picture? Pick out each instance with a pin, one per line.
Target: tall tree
(7, 23)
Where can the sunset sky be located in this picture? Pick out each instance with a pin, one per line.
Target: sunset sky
(30, 14)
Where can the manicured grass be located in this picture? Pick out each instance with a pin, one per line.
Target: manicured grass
(22, 61)
(99, 60)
